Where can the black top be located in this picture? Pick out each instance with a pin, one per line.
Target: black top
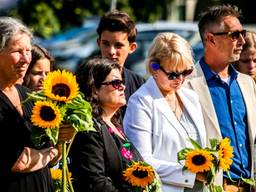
(97, 162)
(132, 82)
(17, 133)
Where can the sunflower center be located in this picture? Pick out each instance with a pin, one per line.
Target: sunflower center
(47, 113)
(61, 90)
(198, 160)
(140, 174)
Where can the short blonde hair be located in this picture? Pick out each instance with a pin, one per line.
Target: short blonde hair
(173, 47)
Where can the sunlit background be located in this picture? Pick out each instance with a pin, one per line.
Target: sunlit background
(67, 28)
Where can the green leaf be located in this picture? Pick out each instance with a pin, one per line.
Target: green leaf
(214, 143)
(53, 134)
(195, 144)
(249, 181)
(228, 174)
(182, 153)
(80, 124)
(126, 145)
(217, 188)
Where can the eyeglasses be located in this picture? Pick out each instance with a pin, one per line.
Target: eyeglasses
(116, 84)
(175, 75)
(233, 34)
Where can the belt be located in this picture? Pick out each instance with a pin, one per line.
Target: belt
(239, 184)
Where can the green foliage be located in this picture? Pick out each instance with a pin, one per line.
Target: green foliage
(47, 23)
(48, 17)
(40, 17)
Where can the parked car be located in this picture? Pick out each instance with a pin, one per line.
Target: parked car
(69, 55)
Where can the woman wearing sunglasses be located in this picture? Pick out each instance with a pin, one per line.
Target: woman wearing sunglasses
(98, 158)
(162, 114)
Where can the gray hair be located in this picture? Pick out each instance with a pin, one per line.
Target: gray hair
(9, 27)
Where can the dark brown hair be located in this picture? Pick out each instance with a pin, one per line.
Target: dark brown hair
(38, 53)
(115, 21)
(90, 75)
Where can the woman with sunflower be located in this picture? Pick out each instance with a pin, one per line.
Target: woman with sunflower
(162, 115)
(99, 159)
(23, 166)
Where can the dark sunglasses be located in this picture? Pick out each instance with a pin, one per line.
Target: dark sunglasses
(233, 34)
(175, 75)
(116, 84)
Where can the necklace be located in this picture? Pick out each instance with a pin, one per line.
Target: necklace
(177, 110)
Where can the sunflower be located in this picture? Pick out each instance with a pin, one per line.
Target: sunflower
(46, 115)
(198, 160)
(139, 174)
(57, 174)
(61, 86)
(225, 154)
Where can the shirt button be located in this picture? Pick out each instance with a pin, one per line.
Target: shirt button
(240, 145)
(231, 101)
(186, 180)
(235, 123)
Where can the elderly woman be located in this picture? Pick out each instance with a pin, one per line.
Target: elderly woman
(23, 167)
(98, 158)
(41, 64)
(162, 115)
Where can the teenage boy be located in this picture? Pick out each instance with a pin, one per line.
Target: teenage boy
(117, 35)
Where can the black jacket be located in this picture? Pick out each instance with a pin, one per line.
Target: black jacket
(96, 162)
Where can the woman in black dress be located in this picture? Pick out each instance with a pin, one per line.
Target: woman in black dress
(98, 158)
(23, 167)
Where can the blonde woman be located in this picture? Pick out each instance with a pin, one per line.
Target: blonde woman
(162, 114)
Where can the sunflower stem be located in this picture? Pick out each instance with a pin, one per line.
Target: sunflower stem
(69, 146)
(70, 182)
(67, 171)
(64, 167)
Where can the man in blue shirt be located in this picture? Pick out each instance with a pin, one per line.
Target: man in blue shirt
(228, 98)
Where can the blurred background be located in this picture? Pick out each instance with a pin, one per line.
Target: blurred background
(67, 28)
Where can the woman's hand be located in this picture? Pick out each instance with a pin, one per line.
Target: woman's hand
(231, 188)
(31, 159)
(58, 157)
(200, 177)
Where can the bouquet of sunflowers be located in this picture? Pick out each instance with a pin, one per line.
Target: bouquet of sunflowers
(59, 109)
(142, 177)
(208, 161)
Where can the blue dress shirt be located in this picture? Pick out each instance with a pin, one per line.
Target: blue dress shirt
(231, 113)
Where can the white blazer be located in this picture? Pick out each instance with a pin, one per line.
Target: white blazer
(153, 128)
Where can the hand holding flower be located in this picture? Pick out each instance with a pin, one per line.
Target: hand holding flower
(206, 162)
(60, 102)
(200, 177)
